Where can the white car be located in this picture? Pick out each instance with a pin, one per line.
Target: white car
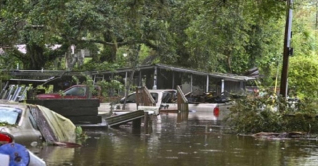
(164, 99)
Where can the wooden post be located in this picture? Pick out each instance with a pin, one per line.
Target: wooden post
(126, 84)
(143, 97)
(182, 116)
(139, 79)
(146, 121)
(172, 80)
(136, 123)
(191, 83)
(182, 101)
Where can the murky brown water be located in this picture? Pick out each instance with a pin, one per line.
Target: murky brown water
(181, 143)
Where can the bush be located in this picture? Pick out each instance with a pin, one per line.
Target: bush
(272, 114)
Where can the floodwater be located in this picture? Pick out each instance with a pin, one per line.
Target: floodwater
(181, 142)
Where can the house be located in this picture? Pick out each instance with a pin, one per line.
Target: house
(155, 76)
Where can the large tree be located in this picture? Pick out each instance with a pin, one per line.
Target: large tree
(102, 26)
(216, 35)
(228, 36)
(25, 22)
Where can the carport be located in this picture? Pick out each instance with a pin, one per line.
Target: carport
(160, 76)
(156, 76)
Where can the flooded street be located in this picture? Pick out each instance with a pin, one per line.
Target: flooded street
(174, 141)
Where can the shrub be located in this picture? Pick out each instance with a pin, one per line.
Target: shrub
(272, 114)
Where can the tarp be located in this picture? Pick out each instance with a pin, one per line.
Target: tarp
(62, 128)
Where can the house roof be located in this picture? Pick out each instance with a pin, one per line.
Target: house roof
(60, 73)
(229, 77)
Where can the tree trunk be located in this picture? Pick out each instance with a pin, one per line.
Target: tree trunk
(37, 59)
(109, 53)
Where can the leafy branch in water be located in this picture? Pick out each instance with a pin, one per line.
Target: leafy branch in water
(80, 134)
(273, 114)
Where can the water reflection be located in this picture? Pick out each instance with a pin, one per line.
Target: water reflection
(180, 140)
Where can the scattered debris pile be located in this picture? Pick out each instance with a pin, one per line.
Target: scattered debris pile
(284, 135)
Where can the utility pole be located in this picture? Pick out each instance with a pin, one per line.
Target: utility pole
(287, 49)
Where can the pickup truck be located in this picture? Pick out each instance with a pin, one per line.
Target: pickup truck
(165, 100)
(74, 92)
(164, 96)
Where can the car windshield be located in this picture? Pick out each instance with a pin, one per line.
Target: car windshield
(75, 91)
(9, 115)
(155, 96)
(132, 98)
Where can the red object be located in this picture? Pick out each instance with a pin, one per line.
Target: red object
(73, 92)
(216, 111)
(5, 138)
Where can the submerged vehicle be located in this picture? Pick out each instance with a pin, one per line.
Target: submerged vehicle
(32, 125)
(165, 100)
(162, 98)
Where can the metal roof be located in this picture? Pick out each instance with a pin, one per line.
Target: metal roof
(228, 77)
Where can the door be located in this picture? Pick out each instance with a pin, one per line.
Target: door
(169, 100)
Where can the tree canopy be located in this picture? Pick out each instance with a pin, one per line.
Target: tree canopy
(228, 36)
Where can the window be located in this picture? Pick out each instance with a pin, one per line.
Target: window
(32, 120)
(132, 98)
(155, 96)
(169, 97)
(10, 115)
(76, 91)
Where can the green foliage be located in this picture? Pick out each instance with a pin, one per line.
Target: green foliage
(76, 79)
(61, 93)
(223, 37)
(8, 62)
(92, 66)
(7, 124)
(216, 36)
(80, 134)
(88, 81)
(114, 86)
(303, 76)
(5, 76)
(268, 114)
(304, 39)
